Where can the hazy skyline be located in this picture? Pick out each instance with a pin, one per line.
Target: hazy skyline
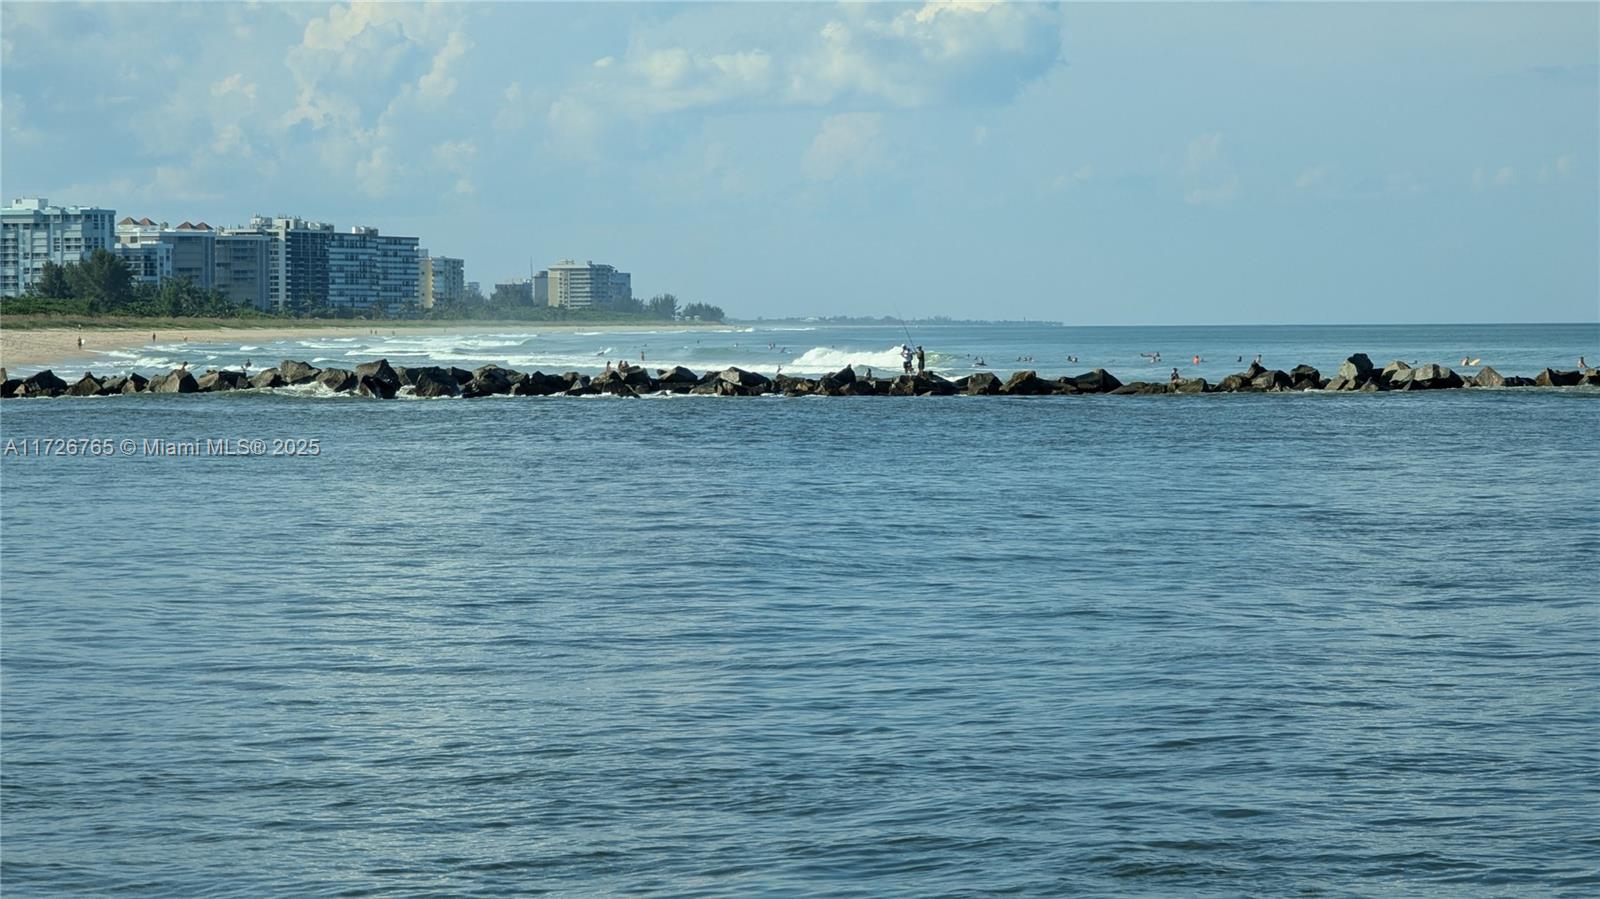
(1182, 163)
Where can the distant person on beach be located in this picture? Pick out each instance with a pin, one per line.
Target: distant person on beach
(80, 343)
(152, 338)
(922, 360)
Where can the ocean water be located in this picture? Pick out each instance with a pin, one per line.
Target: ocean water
(1222, 645)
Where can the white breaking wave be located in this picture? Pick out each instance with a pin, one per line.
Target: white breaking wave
(822, 360)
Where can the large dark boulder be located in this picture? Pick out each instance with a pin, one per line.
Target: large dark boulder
(676, 379)
(44, 383)
(615, 383)
(1140, 388)
(1026, 383)
(339, 380)
(217, 381)
(88, 385)
(380, 370)
(748, 382)
(537, 383)
(132, 382)
(789, 385)
(1236, 382)
(1273, 379)
(905, 385)
(267, 378)
(925, 384)
(1434, 377)
(983, 383)
(1356, 370)
(489, 380)
(1552, 378)
(1096, 381)
(1304, 377)
(9, 386)
(296, 372)
(376, 387)
(1589, 377)
(1191, 385)
(1397, 378)
(176, 381)
(1488, 377)
(432, 382)
(639, 380)
(834, 384)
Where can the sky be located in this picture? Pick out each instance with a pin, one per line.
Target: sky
(1202, 163)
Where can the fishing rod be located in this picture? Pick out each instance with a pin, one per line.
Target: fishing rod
(903, 326)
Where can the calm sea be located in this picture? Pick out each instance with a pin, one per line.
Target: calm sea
(1165, 646)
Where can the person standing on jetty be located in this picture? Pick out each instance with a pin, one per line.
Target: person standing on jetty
(905, 357)
(922, 360)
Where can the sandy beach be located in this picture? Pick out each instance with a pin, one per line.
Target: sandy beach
(48, 346)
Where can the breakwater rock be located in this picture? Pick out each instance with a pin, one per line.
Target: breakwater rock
(380, 380)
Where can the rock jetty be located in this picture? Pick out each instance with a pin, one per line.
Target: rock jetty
(380, 380)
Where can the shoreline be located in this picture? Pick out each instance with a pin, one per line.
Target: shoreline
(54, 346)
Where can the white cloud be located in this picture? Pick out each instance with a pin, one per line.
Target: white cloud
(1204, 150)
(1483, 179)
(1209, 181)
(378, 173)
(513, 112)
(439, 84)
(847, 142)
(1064, 181)
(234, 86)
(1214, 195)
(1312, 176)
(869, 56)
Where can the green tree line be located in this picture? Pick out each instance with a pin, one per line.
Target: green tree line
(103, 284)
(507, 303)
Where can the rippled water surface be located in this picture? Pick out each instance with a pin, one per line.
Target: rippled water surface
(1215, 645)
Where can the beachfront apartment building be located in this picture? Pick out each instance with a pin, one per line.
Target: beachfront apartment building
(230, 260)
(242, 261)
(149, 263)
(443, 280)
(297, 261)
(32, 232)
(192, 248)
(372, 271)
(587, 285)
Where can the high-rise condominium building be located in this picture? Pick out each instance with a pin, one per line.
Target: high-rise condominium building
(443, 280)
(586, 285)
(297, 261)
(368, 270)
(243, 260)
(32, 232)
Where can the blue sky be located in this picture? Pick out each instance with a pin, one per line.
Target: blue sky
(1132, 163)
